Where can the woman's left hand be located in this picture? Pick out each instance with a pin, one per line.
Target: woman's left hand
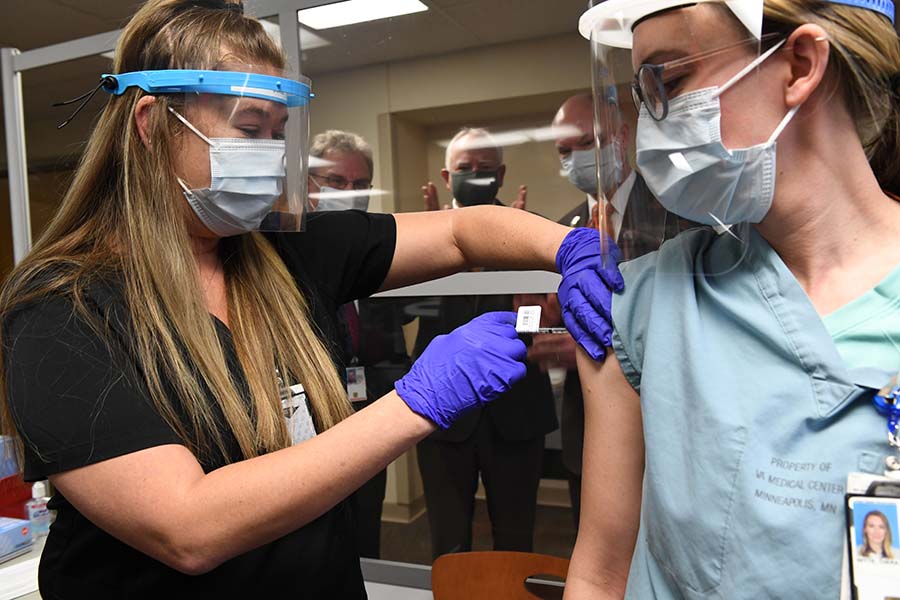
(585, 293)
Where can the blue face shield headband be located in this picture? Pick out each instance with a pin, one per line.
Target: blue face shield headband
(289, 92)
(884, 7)
(173, 81)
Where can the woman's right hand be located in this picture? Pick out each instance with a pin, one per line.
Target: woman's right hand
(472, 365)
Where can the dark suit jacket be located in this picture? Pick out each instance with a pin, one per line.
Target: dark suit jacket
(382, 348)
(645, 225)
(525, 412)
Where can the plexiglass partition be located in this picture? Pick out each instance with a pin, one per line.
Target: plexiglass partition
(405, 86)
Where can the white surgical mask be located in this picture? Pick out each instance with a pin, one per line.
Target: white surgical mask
(246, 179)
(692, 173)
(335, 199)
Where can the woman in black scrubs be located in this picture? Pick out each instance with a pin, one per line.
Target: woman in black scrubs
(157, 360)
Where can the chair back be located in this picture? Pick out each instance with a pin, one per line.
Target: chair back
(493, 575)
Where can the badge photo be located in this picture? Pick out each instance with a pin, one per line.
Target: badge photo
(872, 541)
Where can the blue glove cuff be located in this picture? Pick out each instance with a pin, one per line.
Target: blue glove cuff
(419, 404)
(574, 240)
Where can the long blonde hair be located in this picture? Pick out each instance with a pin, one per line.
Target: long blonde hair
(864, 67)
(125, 217)
(885, 550)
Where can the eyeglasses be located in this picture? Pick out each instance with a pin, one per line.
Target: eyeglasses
(652, 83)
(341, 183)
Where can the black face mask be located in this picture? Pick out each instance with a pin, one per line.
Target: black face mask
(469, 193)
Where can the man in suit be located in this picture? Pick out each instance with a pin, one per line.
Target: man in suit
(367, 343)
(504, 441)
(625, 209)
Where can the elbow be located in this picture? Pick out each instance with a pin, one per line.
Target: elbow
(186, 554)
(599, 568)
(191, 561)
(458, 243)
(597, 585)
(193, 564)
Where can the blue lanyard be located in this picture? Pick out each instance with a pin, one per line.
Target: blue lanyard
(889, 407)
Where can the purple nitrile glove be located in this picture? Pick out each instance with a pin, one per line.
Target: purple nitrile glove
(470, 366)
(588, 283)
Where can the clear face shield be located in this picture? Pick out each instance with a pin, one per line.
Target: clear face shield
(684, 136)
(244, 147)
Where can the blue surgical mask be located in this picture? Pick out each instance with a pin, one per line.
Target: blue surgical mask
(692, 173)
(580, 167)
(246, 179)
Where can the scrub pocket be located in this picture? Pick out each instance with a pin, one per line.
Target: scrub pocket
(688, 506)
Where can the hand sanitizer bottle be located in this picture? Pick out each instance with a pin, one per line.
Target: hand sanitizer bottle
(38, 514)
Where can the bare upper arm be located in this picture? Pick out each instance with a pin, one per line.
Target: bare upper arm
(612, 421)
(439, 243)
(612, 475)
(426, 248)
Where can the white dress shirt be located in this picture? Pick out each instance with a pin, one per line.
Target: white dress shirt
(619, 201)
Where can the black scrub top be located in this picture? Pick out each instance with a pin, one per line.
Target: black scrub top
(78, 398)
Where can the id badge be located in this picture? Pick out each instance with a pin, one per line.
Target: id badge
(356, 384)
(297, 415)
(872, 542)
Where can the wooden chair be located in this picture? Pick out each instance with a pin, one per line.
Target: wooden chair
(493, 575)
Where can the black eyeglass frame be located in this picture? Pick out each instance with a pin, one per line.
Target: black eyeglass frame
(655, 72)
(329, 179)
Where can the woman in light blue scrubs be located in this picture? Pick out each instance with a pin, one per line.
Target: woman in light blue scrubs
(737, 395)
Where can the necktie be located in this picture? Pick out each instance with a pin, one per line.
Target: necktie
(608, 210)
(351, 318)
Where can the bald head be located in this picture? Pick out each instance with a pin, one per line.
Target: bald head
(575, 133)
(473, 143)
(574, 124)
(576, 111)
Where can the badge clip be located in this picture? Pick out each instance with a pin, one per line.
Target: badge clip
(887, 403)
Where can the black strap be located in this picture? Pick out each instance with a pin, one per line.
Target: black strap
(237, 7)
(110, 82)
(107, 82)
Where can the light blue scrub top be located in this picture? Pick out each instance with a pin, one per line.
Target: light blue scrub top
(752, 421)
